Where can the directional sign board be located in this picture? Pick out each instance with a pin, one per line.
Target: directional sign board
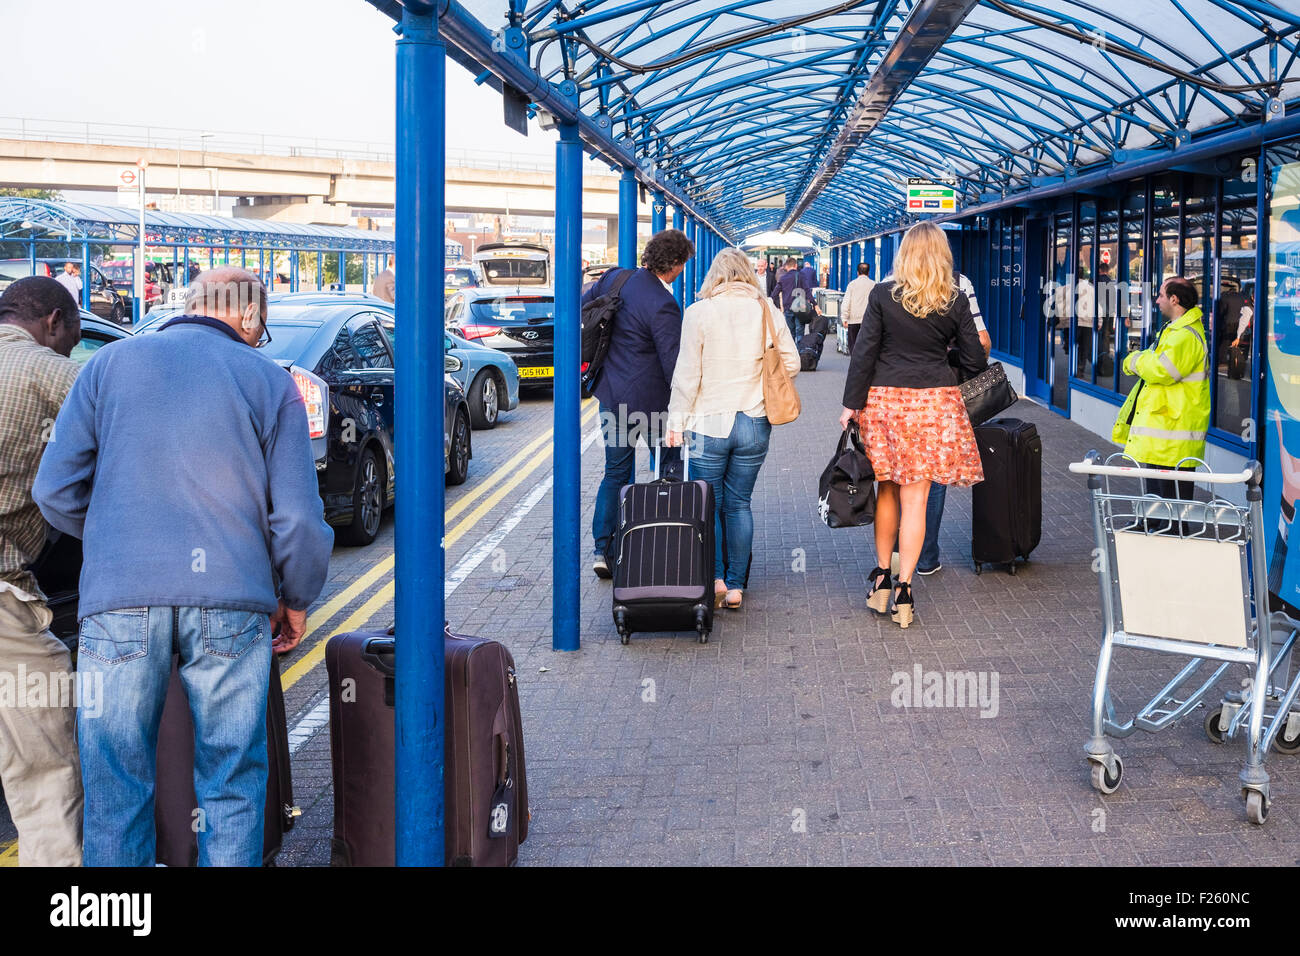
(931, 196)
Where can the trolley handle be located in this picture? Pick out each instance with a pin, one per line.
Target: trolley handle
(1090, 466)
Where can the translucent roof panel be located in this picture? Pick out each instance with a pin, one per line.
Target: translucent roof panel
(91, 221)
(807, 114)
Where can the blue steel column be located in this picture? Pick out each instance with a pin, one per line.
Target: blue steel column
(658, 213)
(869, 257)
(688, 285)
(627, 220)
(420, 560)
(855, 260)
(679, 222)
(85, 276)
(565, 570)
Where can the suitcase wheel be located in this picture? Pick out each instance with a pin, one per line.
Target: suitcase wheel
(979, 568)
(624, 637)
(704, 637)
(1011, 569)
(620, 621)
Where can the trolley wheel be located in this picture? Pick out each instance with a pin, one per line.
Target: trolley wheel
(1212, 726)
(1101, 778)
(1282, 743)
(1256, 807)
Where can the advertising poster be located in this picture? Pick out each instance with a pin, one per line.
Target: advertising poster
(1282, 383)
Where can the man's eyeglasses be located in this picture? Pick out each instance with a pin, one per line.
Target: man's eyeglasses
(265, 340)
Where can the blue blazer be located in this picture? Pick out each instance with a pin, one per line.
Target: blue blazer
(638, 371)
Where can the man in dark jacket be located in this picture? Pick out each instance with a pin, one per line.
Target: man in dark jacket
(634, 381)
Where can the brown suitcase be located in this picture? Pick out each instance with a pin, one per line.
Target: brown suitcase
(174, 799)
(486, 786)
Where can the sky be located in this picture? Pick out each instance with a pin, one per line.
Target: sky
(310, 68)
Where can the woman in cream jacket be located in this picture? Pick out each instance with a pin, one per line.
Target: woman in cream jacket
(717, 397)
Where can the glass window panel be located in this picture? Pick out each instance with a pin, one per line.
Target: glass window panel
(1234, 320)
(1107, 293)
(1062, 311)
(1017, 316)
(1085, 298)
(1131, 295)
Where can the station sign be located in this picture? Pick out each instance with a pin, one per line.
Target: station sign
(931, 196)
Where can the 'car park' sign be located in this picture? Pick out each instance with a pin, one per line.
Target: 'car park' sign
(929, 196)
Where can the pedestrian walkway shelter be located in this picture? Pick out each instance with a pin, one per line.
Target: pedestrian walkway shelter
(1068, 145)
(288, 256)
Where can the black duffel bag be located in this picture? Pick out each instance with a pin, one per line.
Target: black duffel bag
(848, 485)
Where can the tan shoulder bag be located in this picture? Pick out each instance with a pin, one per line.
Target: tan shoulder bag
(780, 398)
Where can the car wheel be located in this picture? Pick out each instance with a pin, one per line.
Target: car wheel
(367, 501)
(458, 458)
(485, 399)
(118, 313)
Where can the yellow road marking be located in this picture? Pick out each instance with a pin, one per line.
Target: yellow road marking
(322, 615)
(9, 854)
(354, 621)
(362, 615)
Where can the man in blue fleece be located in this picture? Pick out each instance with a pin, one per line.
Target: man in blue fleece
(182, 460)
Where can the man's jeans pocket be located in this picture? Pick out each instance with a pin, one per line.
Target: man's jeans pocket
(114, 637)
(229, 633)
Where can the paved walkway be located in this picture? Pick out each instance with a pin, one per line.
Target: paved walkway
(778, 743)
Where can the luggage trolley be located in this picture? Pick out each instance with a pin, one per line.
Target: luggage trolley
(1189, 578)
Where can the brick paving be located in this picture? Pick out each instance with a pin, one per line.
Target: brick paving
(777, 743)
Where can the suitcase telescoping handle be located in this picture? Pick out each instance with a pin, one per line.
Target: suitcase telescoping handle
(686, 459)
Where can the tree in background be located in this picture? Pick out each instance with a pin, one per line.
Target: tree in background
(53, 195)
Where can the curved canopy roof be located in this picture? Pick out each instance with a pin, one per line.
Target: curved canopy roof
(809, 114)
(95, 222)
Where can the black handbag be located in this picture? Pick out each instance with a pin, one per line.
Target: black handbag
(848, 485)
(987, 394)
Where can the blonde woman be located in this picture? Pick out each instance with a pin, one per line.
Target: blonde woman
(717, 396)
(905, 399)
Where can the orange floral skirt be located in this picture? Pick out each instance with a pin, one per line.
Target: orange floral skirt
(915, 434)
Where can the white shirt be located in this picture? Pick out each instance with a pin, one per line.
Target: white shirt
(719, 368)
(72, 283)
(968, 287)
(854, 305)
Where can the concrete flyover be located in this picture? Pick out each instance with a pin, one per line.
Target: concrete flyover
(305, 189)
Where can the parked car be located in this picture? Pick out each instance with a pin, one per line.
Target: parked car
(105, 299)
(459, 277)
(513, 263)
(58, 568)
(489, 377)
(514, 321)
(337, 347)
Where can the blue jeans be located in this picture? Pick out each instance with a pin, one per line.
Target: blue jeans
(225, 665)
(933, 518)
(795, 325)
(620, 466)
(731, 465)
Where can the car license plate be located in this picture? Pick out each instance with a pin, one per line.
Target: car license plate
(537, 372)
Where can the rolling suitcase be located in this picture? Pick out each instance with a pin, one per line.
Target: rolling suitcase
(1236, 361)
(663, 557)
(486, 783)
(810, 351)
(1007, 506)
(175, 805)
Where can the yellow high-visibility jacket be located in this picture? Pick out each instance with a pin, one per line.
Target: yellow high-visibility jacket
(1171, 405)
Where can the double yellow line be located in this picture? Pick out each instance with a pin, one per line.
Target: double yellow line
(526, 461)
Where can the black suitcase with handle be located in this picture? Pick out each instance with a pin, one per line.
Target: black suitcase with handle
(1007, 506)
(663, 557)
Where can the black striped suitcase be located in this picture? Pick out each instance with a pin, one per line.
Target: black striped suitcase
(663, 558)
